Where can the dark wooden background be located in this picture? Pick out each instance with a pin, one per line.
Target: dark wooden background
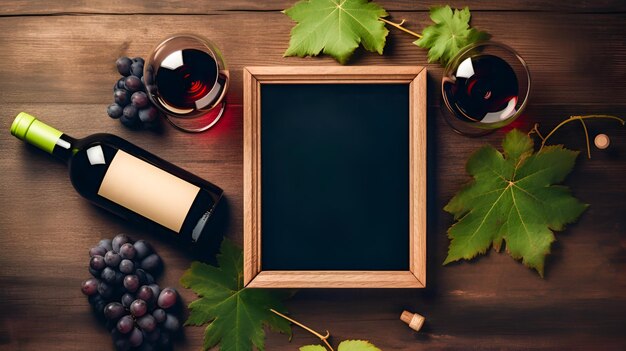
(57, 62)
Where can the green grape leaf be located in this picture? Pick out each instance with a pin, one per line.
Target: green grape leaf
(346, 345)
(336, 28)
(450, 33)
(235, 314)
(513, 198)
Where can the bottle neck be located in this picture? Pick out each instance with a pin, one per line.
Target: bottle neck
(43, 136)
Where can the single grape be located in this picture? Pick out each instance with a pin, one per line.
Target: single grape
(97, 263)
(105, 290)
(119, 84)
(122, 344)
(145, 293)
(112, 259)
(167, 298)
(155, 289)
(139, 99)
(94, 299)
(118, 241)
(136, 69)
(121, 97)
(123, 65)
(138, 59)
(127, 299)
(119, 278)
(106, 243)
(142, 249)
(138, 308)
(149, 279)
(141, 274)
(148, 114)
(94, 272)
(125, 324)
(131, 283)
(114, 310)
(97, 250)
(130, 113)
(151, 263)
(135, 338)
(114, 110)
(90, 286)
(126, 266)
(108, 275)
(133, 84)
(131, 123)
(159, 315)
(171, 323)
(147, 323)
(128, 251)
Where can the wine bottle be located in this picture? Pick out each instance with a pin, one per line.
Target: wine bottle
(126, 179)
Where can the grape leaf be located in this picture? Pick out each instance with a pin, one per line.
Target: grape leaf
(235, 314)
(336, 27)
(513, 199)
(450, 33)
(346, 345)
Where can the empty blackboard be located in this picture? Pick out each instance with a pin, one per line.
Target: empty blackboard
(333, 166)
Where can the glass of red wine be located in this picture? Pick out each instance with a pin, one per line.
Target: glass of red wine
(484, 87)
(186, 78)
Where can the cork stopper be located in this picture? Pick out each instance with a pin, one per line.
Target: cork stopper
(414, 320)
(602, 141)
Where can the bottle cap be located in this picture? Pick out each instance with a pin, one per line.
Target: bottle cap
(414, 320)
(28, 128)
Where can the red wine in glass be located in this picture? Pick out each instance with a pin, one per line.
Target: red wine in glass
(484, 89)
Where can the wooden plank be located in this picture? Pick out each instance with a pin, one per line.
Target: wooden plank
(36, 67)
(171, 7)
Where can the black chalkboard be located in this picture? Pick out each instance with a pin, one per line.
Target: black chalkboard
(334, 176)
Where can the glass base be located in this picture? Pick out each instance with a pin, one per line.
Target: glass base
(198, 124)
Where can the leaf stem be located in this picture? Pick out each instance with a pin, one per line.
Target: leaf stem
(323, 338)
(399, 26)
(570, 119)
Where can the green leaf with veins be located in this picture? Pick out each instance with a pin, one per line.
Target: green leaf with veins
(513, 198)
(236, 315)
(450, 33)
(336, 28)
(346, 345)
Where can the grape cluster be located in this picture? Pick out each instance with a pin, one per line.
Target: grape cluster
(123, 290)
(132, 106)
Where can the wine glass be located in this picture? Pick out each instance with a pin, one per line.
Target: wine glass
(484, 87)
(187, 79)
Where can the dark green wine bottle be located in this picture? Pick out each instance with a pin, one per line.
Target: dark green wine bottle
(126, 179)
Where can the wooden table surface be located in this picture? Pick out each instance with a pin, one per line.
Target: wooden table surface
(57, 62)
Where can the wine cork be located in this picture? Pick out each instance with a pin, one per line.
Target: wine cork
(414, 320)
(602, 141)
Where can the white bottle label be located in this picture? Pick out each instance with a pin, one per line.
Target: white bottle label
(148, 190)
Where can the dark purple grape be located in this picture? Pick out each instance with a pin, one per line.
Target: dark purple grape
(126, 266)
(123, 65)
(131, 123)
(89, 286)
(122, 344)
(112, 259)
(138, 308)
(95, 299)
(131, 283)
(125, 324)
(114, 311)
(145, 293)
(119, 84)
(119, 278)
(97, 250)
(141, 274)
(155, 289)
(147, 323)
(142, 248)
(159, 315)
(115, 111)
(127, 299)
(171, 323)
(167, 298)
(128, 251)
(121, 97)
(97, 263)
(138, 59)
(139, 99)
(136, 69)
(133, 84)
(105, 290)
(130, 113)
(106, 243)
(149, 279)
(118, 241)
(96, 273)
(148, 114)
(108, 275)
(152, 336)
(151, 263)
(135, 338)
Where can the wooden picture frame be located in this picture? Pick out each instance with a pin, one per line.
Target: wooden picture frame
(253, 79)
